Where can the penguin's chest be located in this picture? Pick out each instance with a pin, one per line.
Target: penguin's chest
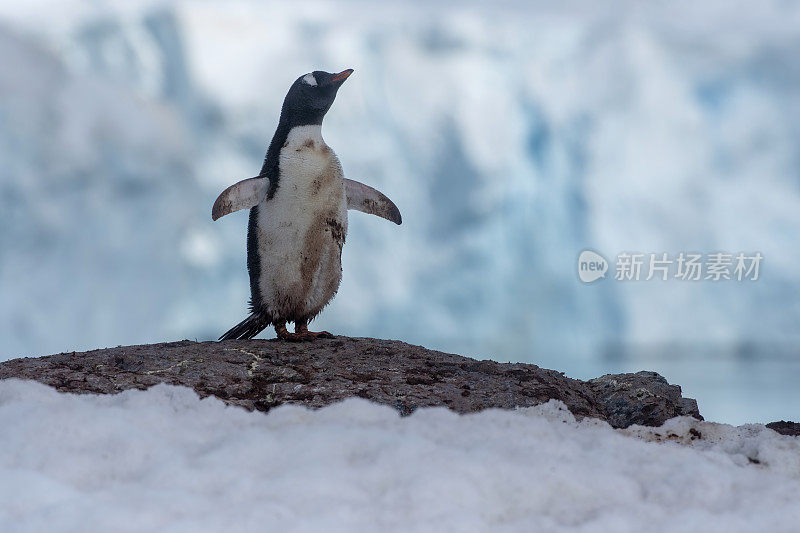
(302, 228)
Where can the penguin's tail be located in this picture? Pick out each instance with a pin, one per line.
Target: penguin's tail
(247, 328)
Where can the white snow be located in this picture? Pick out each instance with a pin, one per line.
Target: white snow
(164, 460)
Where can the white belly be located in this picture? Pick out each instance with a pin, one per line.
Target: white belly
(301, 229)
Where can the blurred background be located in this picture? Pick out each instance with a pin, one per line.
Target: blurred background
(512, 136)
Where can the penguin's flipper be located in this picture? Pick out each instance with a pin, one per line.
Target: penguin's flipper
(368, 200)
(243, 195)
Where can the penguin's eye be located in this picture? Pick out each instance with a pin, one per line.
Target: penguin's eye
(309, 79)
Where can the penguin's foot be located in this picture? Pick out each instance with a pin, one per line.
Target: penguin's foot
(301, 333)
(301, 328)
(285, 335)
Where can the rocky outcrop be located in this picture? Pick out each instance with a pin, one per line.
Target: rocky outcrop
(785, 428)
(643, 398)
(261, 374)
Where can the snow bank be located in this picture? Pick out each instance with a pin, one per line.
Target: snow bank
(164, 460)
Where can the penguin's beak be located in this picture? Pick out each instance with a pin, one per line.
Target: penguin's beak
(341, 76)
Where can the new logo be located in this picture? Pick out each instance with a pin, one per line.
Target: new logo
(591, 266)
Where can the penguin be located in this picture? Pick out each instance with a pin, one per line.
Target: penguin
(298, 216)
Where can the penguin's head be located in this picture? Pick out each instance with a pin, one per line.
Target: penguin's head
(310, 97)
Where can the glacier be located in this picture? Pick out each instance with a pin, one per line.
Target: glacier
(511, 136)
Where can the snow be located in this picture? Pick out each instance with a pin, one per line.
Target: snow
(164, 460)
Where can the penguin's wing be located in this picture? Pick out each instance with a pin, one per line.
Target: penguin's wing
(243, 195)
(368, 200)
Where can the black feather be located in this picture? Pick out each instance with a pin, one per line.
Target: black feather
(254, 261)
(247, 328)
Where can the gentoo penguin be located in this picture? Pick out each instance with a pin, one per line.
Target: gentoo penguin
(298, 216)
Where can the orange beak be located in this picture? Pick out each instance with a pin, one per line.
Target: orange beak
(342, 75)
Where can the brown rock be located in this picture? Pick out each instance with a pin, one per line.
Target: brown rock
(785, 428)
(260, 374)
(643, 398)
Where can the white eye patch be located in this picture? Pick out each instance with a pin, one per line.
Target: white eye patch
(310, 79)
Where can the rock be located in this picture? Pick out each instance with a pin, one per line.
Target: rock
(785, 428)
(643, 398)
(261, 374)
